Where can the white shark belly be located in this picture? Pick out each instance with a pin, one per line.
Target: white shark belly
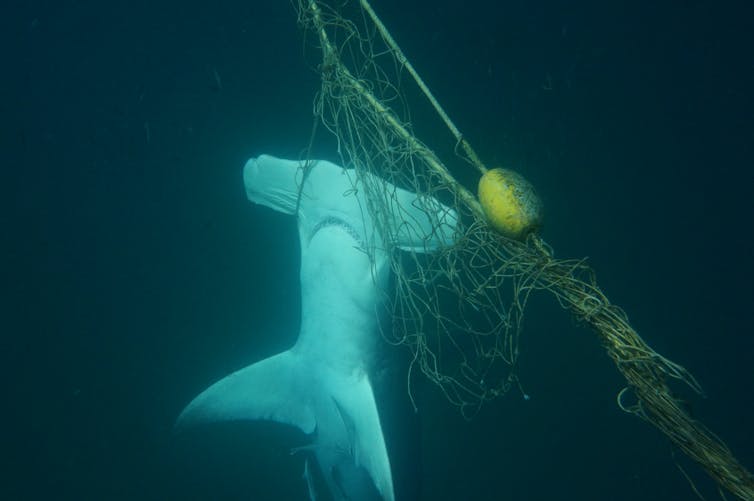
(342, 290)
(321, 385)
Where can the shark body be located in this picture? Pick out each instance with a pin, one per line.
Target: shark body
(321, 385)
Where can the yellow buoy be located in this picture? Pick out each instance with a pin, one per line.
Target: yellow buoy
(510, 203)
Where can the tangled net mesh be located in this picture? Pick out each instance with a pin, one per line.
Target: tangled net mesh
(460, 309)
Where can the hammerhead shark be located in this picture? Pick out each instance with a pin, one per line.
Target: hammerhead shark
(322, 384)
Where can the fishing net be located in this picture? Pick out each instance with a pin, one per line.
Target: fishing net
(460, 309)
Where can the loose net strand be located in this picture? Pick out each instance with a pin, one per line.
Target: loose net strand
(460, 309)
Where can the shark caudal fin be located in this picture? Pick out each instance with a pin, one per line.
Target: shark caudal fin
(338, 408)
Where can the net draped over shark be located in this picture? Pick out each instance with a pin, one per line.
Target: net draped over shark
(322, 384)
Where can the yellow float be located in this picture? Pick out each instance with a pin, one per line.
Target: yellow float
(510, 203)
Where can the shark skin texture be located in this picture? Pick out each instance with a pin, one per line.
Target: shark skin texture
(322, 385)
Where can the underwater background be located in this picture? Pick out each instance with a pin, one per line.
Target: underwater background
(137, 273)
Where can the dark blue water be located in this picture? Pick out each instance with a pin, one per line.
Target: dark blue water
(136, 273)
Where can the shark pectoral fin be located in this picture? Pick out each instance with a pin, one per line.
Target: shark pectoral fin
(273, 389)
(356, 406)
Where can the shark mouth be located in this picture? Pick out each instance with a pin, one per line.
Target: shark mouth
(332, 221)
